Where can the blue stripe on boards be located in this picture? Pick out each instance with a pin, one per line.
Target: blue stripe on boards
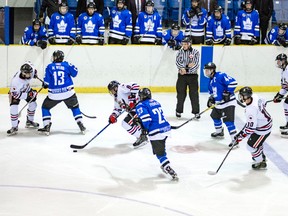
(206, 56)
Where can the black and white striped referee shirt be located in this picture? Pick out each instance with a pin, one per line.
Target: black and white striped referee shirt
(184, 57)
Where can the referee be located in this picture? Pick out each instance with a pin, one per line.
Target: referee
(187, 62)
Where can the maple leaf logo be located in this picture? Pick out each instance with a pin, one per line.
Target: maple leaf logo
(89, 27)
(62, 26)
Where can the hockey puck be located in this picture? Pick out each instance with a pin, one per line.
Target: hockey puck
(74, 150)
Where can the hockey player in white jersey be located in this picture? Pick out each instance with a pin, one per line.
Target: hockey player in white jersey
(20, 89)
(125, 99)
(281, 61)
(257, 128)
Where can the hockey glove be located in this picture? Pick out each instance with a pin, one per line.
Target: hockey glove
(237, 39)
(52, 40)
(45, 85)
(253, 40)
(211, 101)
(191, 13)
(227, 42)
(42, 44)
(78, 39)
(32, 94)
(226, 96)
(199, 12)
(158, 41)
(101, 40)
(112, 118)
(209, 42)
(125, 40)
(282, 41)
(171, 43)
(240, 136)
(136, 39)
(278, 97)
(70, 41)
(35, 74)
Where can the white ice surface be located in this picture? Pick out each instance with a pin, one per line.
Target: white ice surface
(41, 176)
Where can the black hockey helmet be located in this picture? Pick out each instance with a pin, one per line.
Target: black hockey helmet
(148, 4)
(210, 65)
(36, 22)
(209, 69)
(245, 5)
(282, 26)
(57, 56)
(245, 93)
(186, 40)
(26, 68)
(91, 5)
(144, 94)
(120, 1)
(175, 26)
(63, 8)
(283, 60)
(220, 10)
(113, 86)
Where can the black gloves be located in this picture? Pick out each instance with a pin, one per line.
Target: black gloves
(70, 41)
(52, 40)
(45, 85)
(278, 97)
(253, 40)
(42, 44)
(198, 12)
(211, 101)
(282, 41)
(237, 39)
(136, 39)
(101, 40)
(227, 42)
(194, 11)
(125, 40)
(158, 41)
(171, 43)
(191, 13)
(209, 42)
(226, 96)
(78, 39)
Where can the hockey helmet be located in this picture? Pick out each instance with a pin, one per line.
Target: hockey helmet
(281, 60)
(91, 8)
(218, 12)
(175, 28)
(149, 7)
(245, 93)
(186, 40)
(36, 24)
(122, 4)
(250, 7)
(282, 27)
(209, 69)
(144, 94)
(57, 56)
(113, 87)
(26, 71)
(63, 8)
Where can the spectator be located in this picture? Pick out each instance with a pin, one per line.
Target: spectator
(121, 24)
(82, 6)
(135, 7)
(35, 35)
(173, 37)
(58, 80)
(62, 28)
(195, 18)
(265, 9)
(187, 62)
(90, 27)
(20, 89)
(247, 25)
(218, 30)
(278, 36)
(49, 7)
(209, 5)
(148, 29)
(150, 114)
(221, 90)
(257, 128)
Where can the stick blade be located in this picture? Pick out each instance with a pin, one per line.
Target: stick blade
(77, 146)
(212, 173)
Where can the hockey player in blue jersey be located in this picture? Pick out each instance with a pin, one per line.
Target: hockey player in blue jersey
(58, 80)
(195, 18)
(148, 29)
(218, 29)
(35, 35)
(90, 27)
(151, 117)
(62, 28)
(121, 24)
(221, 90)
(173, 37)
(246, 29)
(278, 36)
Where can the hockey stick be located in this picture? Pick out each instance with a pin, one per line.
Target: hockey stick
(83, 146)
(87, 116)
(215, 172)
(176, 127)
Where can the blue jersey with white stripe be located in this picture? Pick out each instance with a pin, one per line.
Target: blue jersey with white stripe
(30, 36)
(247, 23)
(218, 30)
(151, 114)
(90, 25)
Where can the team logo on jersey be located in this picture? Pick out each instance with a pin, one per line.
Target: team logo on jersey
(191, 56)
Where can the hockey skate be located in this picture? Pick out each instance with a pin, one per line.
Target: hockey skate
(261, 165)
(284, 134)
(171, 172)
(81, 126)
(45, 129)
(178, 115)
(12, 131)
(218, 135)
(141, 141)
(284, 128)
(31, 124)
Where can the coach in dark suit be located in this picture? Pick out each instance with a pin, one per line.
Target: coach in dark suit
(82, 6)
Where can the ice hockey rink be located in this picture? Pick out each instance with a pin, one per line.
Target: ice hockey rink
(41, 176)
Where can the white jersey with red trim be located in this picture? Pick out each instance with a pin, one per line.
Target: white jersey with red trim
(284, 81)
(258, 120)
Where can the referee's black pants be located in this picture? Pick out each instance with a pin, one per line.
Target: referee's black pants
(190, 80)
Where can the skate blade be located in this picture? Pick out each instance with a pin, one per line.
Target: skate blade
(31, 127)
(12, 134)
(140, 145)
